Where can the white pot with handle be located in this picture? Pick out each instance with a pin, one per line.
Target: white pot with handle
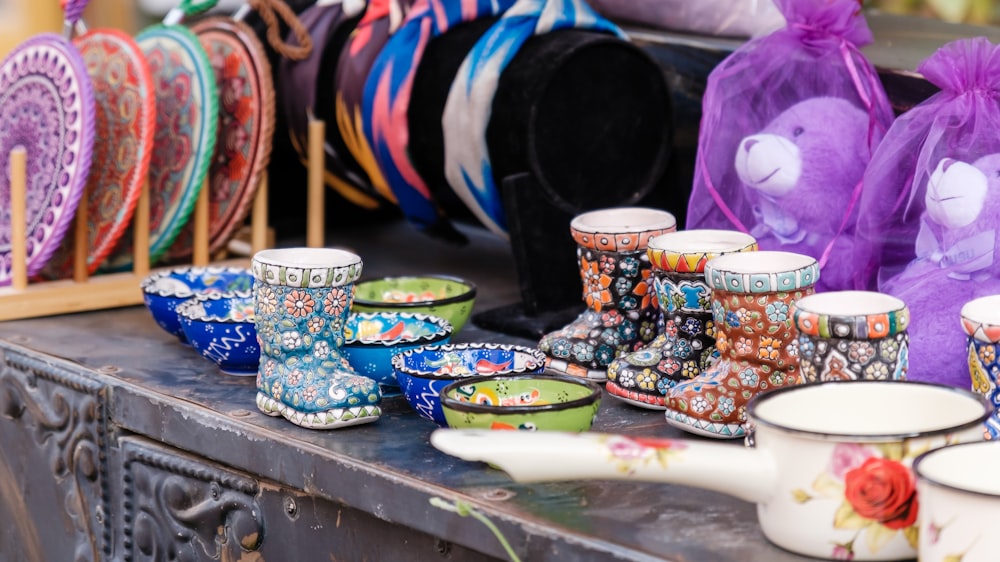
(828, 464)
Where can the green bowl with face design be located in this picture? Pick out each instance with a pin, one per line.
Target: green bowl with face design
(443, 296)
(533, 401)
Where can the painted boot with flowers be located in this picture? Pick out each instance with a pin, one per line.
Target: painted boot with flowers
(621, 313)
(686, 345)
(752, 296)
(301, 309)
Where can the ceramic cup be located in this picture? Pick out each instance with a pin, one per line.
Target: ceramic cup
(828, 464)
(752, 298)
(846, 335)
(959, 502)
(981, 322)
(686, 345)
(622, 313)
(302, 297)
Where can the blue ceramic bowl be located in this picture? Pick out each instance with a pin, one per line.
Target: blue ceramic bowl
(372, 338)
(163, 291)
(423, 372)
(220, 326)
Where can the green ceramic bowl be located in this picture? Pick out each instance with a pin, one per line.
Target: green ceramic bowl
(534, 401)
(446, 297)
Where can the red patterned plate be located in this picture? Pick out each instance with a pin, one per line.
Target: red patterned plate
(125, 119)
(246, 126)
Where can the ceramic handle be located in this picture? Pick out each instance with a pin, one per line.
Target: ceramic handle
(186, 9)
(543, 456)
(72, 10)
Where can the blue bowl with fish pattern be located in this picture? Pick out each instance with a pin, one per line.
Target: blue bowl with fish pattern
(371, 339)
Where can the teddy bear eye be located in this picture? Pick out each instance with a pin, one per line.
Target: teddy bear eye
(798, 131)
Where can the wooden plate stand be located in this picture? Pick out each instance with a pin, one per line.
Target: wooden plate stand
(45, 298)
(84, 292)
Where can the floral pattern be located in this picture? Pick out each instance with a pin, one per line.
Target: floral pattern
(630, 453)
(246, 113)
(123, 94)
(186, 130)
(620, 318)
(756, 354)
(688, 341)
(877, 492)
(849, 358)
(303, 370)
(984, 369)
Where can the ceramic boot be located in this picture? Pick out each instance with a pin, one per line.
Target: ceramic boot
(686, 345)
(302, 297)
(622, 313)
(752, 298)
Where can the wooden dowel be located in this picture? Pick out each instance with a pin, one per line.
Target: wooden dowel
(81, 238)
(315, 203)
(258, 218)
(19, 217)
(201, 226)
(140, 240)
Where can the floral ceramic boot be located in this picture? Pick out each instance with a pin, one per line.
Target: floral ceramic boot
(686, 345)
(752, 297)
(301, 309)
(621, 313)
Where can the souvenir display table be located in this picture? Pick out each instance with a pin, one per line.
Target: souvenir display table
(122, 444)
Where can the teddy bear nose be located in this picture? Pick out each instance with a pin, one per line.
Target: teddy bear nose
(748, 144)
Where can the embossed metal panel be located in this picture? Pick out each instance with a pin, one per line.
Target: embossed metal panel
(53, 478)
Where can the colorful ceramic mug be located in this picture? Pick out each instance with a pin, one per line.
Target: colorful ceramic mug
(686, 344)
(845, 335)
(752, 298)
(981, 322)
(302, 297)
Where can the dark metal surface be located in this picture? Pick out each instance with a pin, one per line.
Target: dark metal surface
(202, 435)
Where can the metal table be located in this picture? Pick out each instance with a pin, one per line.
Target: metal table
(120, 443)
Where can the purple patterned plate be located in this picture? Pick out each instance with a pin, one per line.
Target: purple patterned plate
(47, 107)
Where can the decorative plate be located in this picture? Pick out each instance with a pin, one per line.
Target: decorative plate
(125, 118)
(187, 112)
(47, 107)
(246, 126)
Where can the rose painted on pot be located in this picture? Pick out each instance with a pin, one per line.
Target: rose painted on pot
(879, 495)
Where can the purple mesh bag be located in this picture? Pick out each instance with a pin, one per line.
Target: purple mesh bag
(930, 210)
(789, 123)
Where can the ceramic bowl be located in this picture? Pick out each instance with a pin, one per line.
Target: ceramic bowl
(220, 326)
(446, 297)
(423, 372)
(163, 291)
(372, 338)
(540, 401)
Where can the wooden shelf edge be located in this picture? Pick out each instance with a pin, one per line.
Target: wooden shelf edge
(58, 297)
